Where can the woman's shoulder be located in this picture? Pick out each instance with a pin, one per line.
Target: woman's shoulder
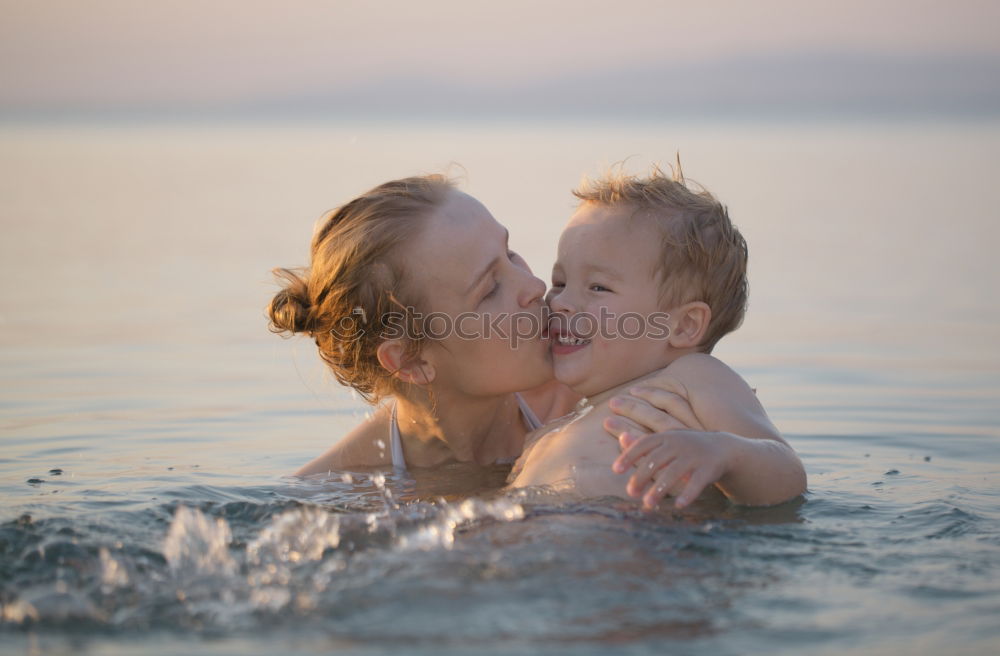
(366, 445)
(551, 400)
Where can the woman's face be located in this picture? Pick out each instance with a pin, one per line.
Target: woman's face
(484, 315)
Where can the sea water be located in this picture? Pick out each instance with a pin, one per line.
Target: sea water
(148, 420)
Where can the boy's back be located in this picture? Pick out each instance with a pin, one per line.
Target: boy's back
(573, 455)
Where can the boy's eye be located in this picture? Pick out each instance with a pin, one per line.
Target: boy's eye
(599, 288)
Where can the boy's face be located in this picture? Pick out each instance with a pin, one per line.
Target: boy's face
(607, 327)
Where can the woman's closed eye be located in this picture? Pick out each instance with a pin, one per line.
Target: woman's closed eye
(517, 260)
(493, 291)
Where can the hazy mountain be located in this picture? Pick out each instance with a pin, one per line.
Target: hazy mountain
(809, 84)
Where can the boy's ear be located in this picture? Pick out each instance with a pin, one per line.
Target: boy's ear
(690, 324)
(394, 359)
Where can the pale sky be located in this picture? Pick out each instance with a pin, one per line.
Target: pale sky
(135, 54)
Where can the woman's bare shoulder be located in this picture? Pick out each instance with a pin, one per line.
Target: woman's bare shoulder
(366, 445)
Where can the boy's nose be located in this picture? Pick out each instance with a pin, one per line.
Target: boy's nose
(559, 301)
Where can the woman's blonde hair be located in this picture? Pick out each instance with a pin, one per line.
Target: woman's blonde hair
(356, 282)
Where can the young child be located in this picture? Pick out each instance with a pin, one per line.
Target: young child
(649, 276)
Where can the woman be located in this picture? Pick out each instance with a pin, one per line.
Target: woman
(413, 293)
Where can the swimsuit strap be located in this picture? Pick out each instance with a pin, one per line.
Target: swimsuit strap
(531, 421)
(396, 442)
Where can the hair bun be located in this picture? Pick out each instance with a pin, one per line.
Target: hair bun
(289, 309)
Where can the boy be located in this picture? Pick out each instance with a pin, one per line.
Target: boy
(649, 276)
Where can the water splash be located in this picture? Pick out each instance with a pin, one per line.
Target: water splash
(301, 561)
(301, 554)
(196, 546)
(18, 611)
(378, 480)
(113, 572)
(295, 535)
(440, 534)
(282, 560)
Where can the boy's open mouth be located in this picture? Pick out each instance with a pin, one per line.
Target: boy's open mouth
(562, 340)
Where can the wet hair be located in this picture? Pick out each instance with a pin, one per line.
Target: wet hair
(354, 291)
(703, 257)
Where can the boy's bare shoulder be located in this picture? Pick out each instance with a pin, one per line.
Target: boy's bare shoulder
(695, 368)
(720, 398)
(697, 373)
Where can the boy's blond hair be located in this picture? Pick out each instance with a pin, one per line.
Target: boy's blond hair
(703, 256)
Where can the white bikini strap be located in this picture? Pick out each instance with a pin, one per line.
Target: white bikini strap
(530, 418)
(395, 441)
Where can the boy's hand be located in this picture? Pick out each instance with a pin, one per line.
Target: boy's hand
(650, 410)
(678, 462)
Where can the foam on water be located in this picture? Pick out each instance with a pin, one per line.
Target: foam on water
(514, 567)
(206, 579)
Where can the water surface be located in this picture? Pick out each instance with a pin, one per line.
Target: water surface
(148, 420)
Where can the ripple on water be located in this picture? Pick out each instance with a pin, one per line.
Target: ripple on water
(361, 558)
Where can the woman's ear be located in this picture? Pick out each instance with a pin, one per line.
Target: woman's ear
(409, 369)
(690, 324)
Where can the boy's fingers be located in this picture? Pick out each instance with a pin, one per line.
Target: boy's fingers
(671, 403)
(636, 449)
(700, 479)
(653, 496)
(663, 483)
(647, 469)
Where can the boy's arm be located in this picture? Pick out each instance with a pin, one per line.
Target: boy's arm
(741, 451)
